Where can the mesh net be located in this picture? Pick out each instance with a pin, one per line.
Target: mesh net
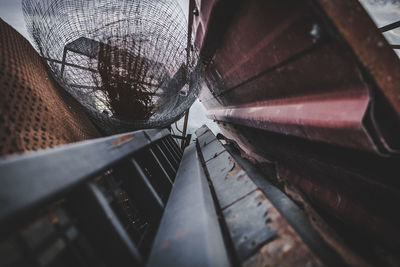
(125, 61)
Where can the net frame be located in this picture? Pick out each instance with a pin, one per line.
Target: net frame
(71, 34)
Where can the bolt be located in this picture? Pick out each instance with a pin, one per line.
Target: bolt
(196, 11)
(316, 33)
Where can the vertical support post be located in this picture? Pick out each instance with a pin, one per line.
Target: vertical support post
(189, 36)
(188, 49)
(185, 129)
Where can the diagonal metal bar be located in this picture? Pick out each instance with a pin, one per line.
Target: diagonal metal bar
(32, 179)
(189, 233)
(390, 26)
(103, 227)
(160, 166)
(145, 179)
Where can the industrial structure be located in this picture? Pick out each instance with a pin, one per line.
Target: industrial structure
(306, 93)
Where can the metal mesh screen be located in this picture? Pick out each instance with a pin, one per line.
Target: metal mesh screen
(125, 61)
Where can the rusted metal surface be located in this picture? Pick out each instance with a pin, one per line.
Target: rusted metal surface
(377, 57)
(249, 232)
(313, 86)
(123, 139)
(259, 233)
(200, 22)
(351, 205)
(211, 21)
(286, 250)
(294, 72)
(358, 190)
(230, 181)
(210, 147)
(308, 224)
(35, 113)
(334, 120)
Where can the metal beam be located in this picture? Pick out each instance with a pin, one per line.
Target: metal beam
(189, 233)
(390, 26)
(250, 206)
(290, 211)
(185, 123)
(68, 64)
(147, 183)
(104, 229)
(30, 180)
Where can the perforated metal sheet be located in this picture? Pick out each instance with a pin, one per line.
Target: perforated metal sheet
(34, 112)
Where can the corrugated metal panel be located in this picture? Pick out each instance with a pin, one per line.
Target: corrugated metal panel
(300, 68)
(313, 87)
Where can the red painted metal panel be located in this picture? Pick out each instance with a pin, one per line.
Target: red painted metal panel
(276, 56)
(312, 86)
(334, 120)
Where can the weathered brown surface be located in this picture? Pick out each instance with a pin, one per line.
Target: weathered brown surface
(260, 235)
(302, 68)
(311, 87)
(377, 57)
(286, 250)
(238, 196)
(344, 184)
(35, 113)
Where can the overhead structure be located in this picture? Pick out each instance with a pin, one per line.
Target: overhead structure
(126, 62)
(312, 87)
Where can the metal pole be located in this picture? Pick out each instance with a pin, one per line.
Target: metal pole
(390, 26)
(189, 45)
(184, 129)
(189, 36)
(63, 62)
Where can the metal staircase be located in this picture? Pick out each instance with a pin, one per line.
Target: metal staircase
(136, 199)
(90, 202)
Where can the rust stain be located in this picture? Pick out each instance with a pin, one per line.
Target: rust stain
(232, 172)
(287, 249)
(261, 197)
(165, 244)
(35, 113)
(123, 139)
(241, 177)
(179, 234)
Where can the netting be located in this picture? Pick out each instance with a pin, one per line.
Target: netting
(125, 61)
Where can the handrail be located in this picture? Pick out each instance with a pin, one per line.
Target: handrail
(32, 179)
